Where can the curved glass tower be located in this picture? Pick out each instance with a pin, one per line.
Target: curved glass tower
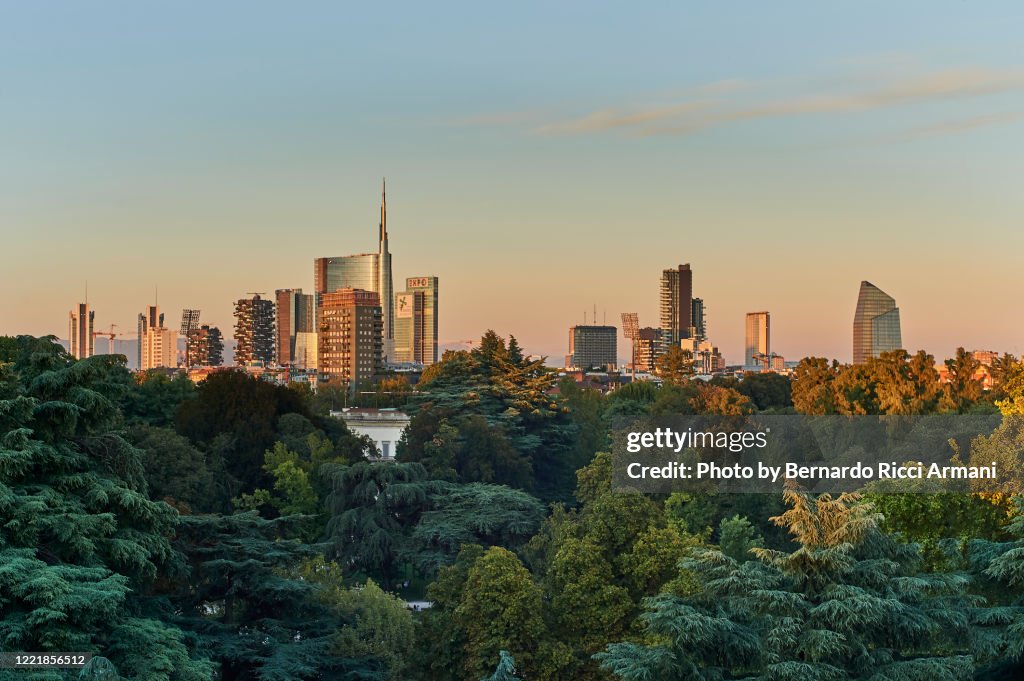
(876, 324)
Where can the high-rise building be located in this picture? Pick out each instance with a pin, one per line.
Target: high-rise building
(416, 321)
(758, 346)
(366, 271)
(80, 323)
(189, 322)
(706, 357)
(676, 305)
(876, 324)
(648, 345)
(592, 347)
(295, 313)
(700, 331)
(159, 348)
(350, 336)
(204, 347)
(151, 318)
(254, 331)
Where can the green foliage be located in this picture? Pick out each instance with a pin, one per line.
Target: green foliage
(848, 603)
(737, 538)
(675, 365)
(766, 390)
(246, 607)
(373, 509)
(177, 472)
(489, 515)
(510, 428)
(80, 541)
(154, 398)
(237, 415)
(506, 669)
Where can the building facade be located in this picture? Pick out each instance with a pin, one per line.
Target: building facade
(295, 312)
(676, 305)
(592, 347)
(876, 324)
(366, 271)
(350, 336)
(204, 347)
(254, 331)
(150, 319)
(648, 343)
(80, 331)
(700, 331)
(383, 426)
(758, 340)
(416, 321)
(706, 357)
(159, 348)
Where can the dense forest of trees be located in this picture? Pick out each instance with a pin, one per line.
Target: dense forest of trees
(233, 530)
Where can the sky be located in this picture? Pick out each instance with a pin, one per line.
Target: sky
(541, 159)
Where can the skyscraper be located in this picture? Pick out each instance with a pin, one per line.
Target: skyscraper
(416, 321)
(758, 346)
(592, 347)
(204, 347)
(366, 271)
(151, 318)
(350, 336)
(295, 313)
(876, 323)
(676, 305)
(700, 331)
(254, 331)
(80, 323)
(189, 322)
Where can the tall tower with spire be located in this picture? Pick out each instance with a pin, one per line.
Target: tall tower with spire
(384, 283)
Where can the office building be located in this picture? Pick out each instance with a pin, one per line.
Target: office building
(204, 347)
(367, 271)
(350, 336)
(706, 357)
(648, 344)
(416, 321)
(592, 347)
(700, 331)
(295, 315)
(758, 346)
(151, 318)
(876, 324)
(189, 322)
(159, 348)
(676, 308)
(254, 331)
(80, 331)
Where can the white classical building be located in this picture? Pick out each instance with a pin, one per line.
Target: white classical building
(383, 426)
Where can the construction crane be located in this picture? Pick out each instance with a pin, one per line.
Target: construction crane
(110, 335)
(766, 360)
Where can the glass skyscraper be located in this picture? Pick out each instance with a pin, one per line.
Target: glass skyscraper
(876, 324)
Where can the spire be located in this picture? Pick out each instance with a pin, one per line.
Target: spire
(383, 210)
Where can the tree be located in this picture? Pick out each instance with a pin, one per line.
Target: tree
(501, 609)
(737, 538)
(488, 515)
(713, 399)
(506, 669)
(154, 398)
(81, 543)
(964, 390)
(244, 602)
(177, 472)
(812, 386)
(373, 508)
(675, 365)
(243, 412)
(767, 390)
(846, 604)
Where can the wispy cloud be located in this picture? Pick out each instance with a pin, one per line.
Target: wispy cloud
(690, 117)
(965, 124)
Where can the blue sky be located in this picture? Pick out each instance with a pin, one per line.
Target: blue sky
(540, 160)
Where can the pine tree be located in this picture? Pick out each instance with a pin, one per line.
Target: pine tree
(506, 669)
(848, 603)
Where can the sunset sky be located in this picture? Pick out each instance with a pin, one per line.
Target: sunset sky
(541, 158)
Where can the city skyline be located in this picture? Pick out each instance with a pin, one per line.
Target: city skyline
(882, 151)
